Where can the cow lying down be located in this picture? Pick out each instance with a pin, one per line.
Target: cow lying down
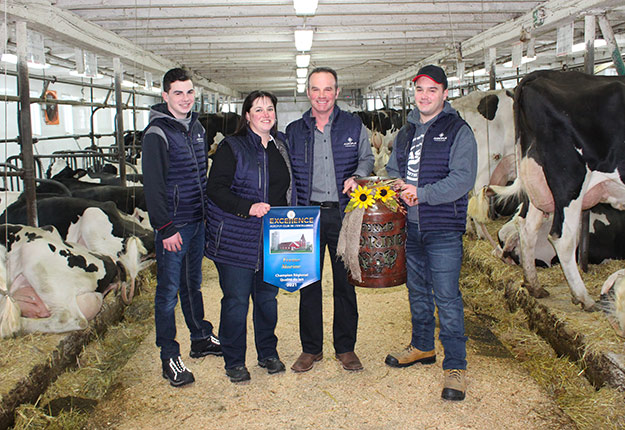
(49, 285)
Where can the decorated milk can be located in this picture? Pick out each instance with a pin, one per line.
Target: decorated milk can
(373, 236)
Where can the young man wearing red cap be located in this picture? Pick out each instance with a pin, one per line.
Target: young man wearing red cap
(435, 156)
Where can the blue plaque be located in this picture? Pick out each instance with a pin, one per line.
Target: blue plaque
(291, 246)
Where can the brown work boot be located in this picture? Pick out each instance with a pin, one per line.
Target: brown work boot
(409, 356)
(350, 361)
(305, 362)
(455, 384)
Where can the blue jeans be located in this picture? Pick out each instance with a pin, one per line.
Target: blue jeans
(238, 285)
(433, 260)
(180, 273)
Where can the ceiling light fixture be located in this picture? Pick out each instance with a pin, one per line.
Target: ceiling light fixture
(305, 7)
(302, 73)
(301, 88)
(301, 81)
(302, 60)
(580, 47)
(82, 75)
(524, 60)
(478, 72)
(12, 59)
(303, 40)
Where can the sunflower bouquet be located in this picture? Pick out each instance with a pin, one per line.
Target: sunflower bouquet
(376, 190)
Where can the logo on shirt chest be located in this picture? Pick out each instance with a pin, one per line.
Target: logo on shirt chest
(440, 138)
(350, 143)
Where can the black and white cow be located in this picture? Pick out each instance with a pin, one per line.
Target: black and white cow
(570, 128)
(81, 178)
(606, 238)
(224, 123)
(382, 126)
(490, 115)
(50, 285)
(99, 226)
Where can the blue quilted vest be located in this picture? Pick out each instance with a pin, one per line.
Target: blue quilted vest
(186, 178)
(237, 240)
(345, 135)
(434, 166)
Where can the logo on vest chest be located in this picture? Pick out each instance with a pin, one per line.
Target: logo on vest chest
(440, 138)
(350, 143)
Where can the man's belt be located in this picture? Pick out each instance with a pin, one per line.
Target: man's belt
(325, 205)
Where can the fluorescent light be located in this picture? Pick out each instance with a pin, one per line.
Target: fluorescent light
(305, 7)
(130, 84)
(524, 60)
(12, 59)
(302, 73)
(9, 58)
(579, 47)
(303, 40)
(302, 60)
(453, 78)
(301, 81)
(82, 75)
(301, 88)
(478, 72)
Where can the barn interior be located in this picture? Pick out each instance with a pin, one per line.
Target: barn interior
(78, 78)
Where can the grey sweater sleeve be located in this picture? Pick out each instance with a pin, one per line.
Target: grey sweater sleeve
(155, 166)
(461, 178)
(365, 155)
(391, 165)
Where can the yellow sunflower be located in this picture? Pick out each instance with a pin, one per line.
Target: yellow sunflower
(362, 197)
(384, 194)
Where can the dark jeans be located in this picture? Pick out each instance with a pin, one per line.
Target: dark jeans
(345, 306)
(180, 273)
(433, 260)
(237, 285)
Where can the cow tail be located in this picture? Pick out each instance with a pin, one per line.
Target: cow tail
(503, 194)
(10, 314)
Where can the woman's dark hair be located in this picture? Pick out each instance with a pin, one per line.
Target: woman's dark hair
(241, 129)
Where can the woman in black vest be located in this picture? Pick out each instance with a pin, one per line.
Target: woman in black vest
(250, 173)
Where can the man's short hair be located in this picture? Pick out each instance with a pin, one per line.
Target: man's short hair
(324, 70)
(174, 75)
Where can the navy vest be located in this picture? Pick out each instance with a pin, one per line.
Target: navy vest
(434, 166)
(345, 135)
(186, 178)
(232, 239)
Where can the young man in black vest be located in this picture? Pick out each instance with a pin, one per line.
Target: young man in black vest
(435, 156)
(329, 147)
(174, 181)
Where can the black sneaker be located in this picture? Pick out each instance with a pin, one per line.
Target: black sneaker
(272, 364)
(238, 374)
(176, 372)
(204, 347)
